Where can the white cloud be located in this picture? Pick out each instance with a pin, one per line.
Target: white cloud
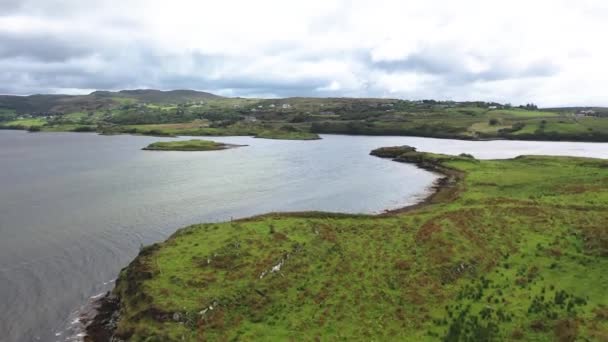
(543, 51)
(333, 86)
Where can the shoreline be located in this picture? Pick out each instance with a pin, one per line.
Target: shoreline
(105, 311)
(459, 138)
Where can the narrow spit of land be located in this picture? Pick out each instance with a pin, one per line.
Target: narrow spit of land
(505, 250)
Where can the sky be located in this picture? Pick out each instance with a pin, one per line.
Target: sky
(549, 52)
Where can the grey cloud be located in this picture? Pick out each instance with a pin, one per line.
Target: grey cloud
(145, 67)
(419, 62)
(42, 47)
(451, 67)
(37, 61)
(46, 8)
(10, 6)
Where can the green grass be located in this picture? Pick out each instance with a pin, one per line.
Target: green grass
(188, 145)
(26, 122)
(75, 117)
(124, 100)
(287, 135)
(515, 250)
(520, 113)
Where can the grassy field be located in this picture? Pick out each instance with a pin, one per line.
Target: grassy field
(26, 122)
(507, 250)
(188, 145)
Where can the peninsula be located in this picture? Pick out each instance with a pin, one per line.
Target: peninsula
(505, 250)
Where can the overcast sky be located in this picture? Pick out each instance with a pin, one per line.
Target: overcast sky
(550, 52)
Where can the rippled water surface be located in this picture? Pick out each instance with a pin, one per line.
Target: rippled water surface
(75, 208)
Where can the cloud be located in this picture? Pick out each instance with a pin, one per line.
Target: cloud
(518, 51)
(40, 46)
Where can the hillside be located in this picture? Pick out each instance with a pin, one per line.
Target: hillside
(506, 250)
(98, 100)
(187, 112)
(158, 96)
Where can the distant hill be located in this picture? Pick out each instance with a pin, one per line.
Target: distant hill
(600, 111)
(97, 100)
(158, 96)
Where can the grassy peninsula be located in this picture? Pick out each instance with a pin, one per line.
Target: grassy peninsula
(189, 145)
(506, 250)
(192, 113)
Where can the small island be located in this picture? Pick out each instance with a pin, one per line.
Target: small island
(189, 145)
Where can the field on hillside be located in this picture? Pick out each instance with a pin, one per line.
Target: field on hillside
(513, 250)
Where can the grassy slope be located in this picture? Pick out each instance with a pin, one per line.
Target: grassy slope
(188, 145)
(521, 253)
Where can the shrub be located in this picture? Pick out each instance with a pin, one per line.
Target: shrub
(84, 129)
(566, 330)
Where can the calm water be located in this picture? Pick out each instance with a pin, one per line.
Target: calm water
(75, 208)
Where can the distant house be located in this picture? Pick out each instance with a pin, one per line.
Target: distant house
(250, 119)
(587, 112)
(493, 107)
(286, 106)
(272, 105)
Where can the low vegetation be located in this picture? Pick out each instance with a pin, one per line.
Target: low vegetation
(508, 250)
(287, 134)
(188, 145)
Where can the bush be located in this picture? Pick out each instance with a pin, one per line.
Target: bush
(566, 330)
(84, 129)
(288, 128)
(299, 118)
